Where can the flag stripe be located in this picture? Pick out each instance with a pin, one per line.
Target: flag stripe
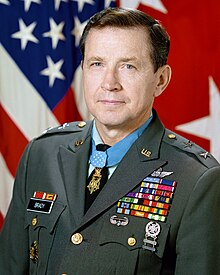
(12, 141)
(66, 110)
(6, 186)
(79, 95)
(1, 220)
(18, 95)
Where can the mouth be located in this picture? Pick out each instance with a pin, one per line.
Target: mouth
(111, 102)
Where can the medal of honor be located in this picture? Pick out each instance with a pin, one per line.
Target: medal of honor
(95, 181)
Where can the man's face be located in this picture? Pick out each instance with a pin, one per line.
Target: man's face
(119, 79)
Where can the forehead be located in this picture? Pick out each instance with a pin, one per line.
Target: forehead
(117, 40)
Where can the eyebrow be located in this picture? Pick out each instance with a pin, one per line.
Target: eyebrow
(129, 59)
(123, 59)
(95, 58)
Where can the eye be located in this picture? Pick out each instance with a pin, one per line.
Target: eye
(96, 64)
(129, 66)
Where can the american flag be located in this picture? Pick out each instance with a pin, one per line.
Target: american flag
(40, 75)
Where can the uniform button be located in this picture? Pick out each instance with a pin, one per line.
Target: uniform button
(171, 136)
(76, 238)
(34, 221)
(131, 241)
(81, 124)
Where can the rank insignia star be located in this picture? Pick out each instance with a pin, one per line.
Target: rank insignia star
(64, 126)
(204, 155)
(188, 144)
(47, 130)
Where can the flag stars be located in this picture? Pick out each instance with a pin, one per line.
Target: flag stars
(53, 70)
(55, 33)
(108, 3)
(155, 4)
(207, 127)
(81, 3)
(5, 2)
(57, 3)
(78, 29)
(27, 4)
(25, 33)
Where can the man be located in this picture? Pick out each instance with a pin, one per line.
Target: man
(158, 211)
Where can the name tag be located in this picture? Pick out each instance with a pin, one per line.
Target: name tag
(40, 206)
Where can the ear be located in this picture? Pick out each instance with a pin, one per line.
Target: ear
(163, 79)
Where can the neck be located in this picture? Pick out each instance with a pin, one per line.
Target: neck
(112, 134)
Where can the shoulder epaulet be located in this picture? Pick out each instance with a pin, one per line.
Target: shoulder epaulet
(66, 128)
(189, 147)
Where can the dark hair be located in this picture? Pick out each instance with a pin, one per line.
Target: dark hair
(127, 18)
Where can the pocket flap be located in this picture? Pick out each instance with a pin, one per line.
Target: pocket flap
(132, 235)
(36, 220)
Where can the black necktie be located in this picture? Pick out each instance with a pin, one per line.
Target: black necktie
(96, 180)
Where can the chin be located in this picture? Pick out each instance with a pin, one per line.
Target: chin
(108, 121)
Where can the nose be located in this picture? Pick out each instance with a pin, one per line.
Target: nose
(110, 81)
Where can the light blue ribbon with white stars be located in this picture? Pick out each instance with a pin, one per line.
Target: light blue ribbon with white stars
(98, 158)
(113, 155)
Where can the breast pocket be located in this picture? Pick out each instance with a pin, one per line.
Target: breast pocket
(129, 242)
(42, 228)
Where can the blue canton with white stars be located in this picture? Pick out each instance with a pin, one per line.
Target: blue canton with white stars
(51, 31)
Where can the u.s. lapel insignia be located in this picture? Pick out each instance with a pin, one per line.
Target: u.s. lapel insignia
(152, 231)
(146, 152)
(78, 142)
(33, 253)
(160, 173)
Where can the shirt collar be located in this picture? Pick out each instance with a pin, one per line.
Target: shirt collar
(118, 150)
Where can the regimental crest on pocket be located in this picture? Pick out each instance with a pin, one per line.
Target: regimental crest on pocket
(34, 252)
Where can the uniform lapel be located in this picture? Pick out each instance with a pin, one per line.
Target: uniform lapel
(74, 167)
(144, 157)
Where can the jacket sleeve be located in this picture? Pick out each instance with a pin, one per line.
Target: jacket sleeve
(14, 245)
(198, 240)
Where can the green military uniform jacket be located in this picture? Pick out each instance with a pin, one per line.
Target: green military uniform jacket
(65, 241)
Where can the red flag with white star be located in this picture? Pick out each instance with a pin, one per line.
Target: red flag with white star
(191, 103)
